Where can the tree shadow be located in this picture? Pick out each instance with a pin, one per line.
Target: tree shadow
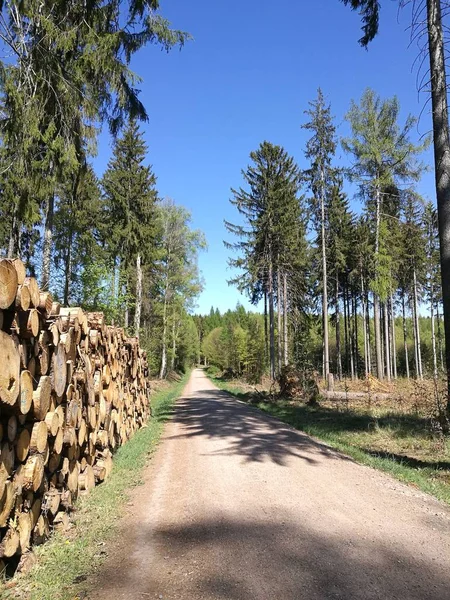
(409, 461)
(246, 431)
(239, 559)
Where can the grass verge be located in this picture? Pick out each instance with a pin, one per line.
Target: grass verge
(65, 561)
(399, 444)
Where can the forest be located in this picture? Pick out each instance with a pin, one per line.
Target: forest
(345, 285)
(347, 292)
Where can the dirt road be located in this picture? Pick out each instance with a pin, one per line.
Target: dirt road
(238, 506)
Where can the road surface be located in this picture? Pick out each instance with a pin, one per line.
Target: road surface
(238, 506)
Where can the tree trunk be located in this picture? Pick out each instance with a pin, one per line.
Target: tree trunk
(163, 368)
(376, 304)
(266, 331)
(433, 334)
(355, 330)
(271, 325)
(441, 158)
(137, 314)
(326, 350)
(417, 327)
(48, 242)
(14, 238)
(366, 340)
(439, 336)
(394, 342)
(351, 334)
(285, 320)
(386, 341)
(280, 350)
(68, 272)
(344, 299)
(338, 333)
(405, 336)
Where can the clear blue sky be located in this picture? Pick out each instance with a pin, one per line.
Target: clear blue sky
(247, 77)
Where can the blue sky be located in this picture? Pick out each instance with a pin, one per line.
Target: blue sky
(247, 77)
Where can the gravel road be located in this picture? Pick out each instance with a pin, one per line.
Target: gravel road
(236, 505)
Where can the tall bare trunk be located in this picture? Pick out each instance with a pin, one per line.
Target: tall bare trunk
(14, 237)
(68, 272)
(266, 331)
(394, 342)
(280, 350)
(366, 337)
(355, 332)
(441, 140)
(285, 321)
(271, 325)
(162, 371)
(387, 352)
(48, 242)
(137, 314)
(338, 333)
(433, 333)
(439, 337)
(326, 350)
(376, 303)
(417, 326)
(405, 336)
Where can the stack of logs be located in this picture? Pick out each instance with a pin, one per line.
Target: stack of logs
(72, 389)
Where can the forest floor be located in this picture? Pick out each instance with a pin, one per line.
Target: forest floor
(396, 434)
(237, 505)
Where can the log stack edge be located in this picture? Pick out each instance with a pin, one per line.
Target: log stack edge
(72, 389)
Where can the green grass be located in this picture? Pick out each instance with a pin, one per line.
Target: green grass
(64, 562)
(397, 443)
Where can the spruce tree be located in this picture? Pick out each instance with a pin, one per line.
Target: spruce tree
(130, 196)
(320, 150)
(273, 235)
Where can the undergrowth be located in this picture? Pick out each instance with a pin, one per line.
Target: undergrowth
(65, 561)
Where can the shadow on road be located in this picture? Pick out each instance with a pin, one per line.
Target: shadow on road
(237, 560)
(245, 431)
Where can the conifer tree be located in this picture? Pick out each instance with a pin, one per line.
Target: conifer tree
(273, 222)
(383, 155)
(130, 196)
(320, 150)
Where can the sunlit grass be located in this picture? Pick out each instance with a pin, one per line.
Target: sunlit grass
(397, 443)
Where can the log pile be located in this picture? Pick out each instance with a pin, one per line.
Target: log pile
(72, 389)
